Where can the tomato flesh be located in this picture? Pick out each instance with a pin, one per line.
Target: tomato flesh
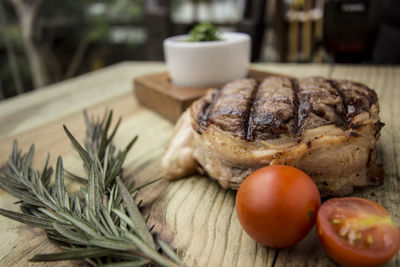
(277, 205)
(357, 232)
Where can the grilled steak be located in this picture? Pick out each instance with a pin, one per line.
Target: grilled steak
(327, 128)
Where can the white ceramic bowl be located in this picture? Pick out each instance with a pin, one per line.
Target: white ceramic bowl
(202, 64)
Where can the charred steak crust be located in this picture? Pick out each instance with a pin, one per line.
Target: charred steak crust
(282, 106)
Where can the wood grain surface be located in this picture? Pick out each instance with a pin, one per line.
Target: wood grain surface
(195, 215)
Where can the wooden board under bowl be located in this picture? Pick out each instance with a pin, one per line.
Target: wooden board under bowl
(156, 91)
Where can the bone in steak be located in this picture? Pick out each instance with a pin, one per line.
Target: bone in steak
(327, 128)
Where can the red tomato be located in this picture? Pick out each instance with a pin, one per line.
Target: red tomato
(277, 205)
(357, 232)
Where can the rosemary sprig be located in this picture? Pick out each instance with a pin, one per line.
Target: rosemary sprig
(104, 226)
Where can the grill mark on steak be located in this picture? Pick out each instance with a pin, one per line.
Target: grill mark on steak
(303, 109)
(230, 110)
(335, 86)
(295, 89)
(357, 98)
(366, 92)
(319, 104)
(204, 113)
(345, 115)
(273, 108)
(248, 125)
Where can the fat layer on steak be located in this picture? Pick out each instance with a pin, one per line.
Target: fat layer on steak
(327, 128)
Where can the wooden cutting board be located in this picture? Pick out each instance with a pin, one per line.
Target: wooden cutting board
(195, 215)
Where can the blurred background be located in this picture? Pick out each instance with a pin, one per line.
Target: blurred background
(47, 41)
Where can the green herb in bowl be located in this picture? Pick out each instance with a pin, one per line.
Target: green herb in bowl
(204, 32)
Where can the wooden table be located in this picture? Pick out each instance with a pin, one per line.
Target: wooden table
(195, 215)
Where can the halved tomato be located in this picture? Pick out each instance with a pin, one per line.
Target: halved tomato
(357, 232)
